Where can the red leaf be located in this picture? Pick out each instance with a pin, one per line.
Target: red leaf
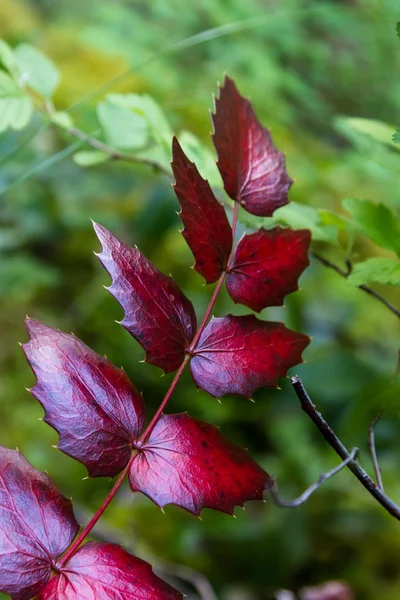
(207, 230)
(267, 265)
(92, 404)
(191, 464)
(252, 169)
(238, 355)
(36, 525)
(157, 313)
(106, 572)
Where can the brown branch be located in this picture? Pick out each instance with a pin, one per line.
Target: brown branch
(273, 489)
(365, 288)
(332, 439)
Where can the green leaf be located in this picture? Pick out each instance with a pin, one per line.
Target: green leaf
(159, 130)
(376, 130)
(376, 270)
(398, 28)
(90, 158)
(123, 129)
(201, 156)
(377, 221)
(38, 71)
(296, 216)
(7, 58)
(62, 119)
(396, 137)
(15, 107)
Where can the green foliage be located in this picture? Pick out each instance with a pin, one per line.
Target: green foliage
(36, 70)
(376, 270)
(15, 107)
(376, 221)
(123, 129)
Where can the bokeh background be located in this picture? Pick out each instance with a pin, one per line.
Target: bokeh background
(303, 64)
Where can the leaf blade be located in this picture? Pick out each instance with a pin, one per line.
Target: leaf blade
(37, 524)
(238, 355)
(189, 463)
(252, 169)
(266, 266)
(92, 405)
(206, 226)
(157, 313)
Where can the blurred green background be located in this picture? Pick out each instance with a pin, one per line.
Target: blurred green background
(303, 64)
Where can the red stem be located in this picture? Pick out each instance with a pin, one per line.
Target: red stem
(196, 338)
(85, 532)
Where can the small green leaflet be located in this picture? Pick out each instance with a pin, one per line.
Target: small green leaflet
(396, 137)
(398, 28)
(36, 70)
(123, 129)
(376, 270)
(15, 107)
(377, 221)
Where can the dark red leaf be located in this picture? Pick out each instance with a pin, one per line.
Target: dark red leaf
(92, 404)
(266, 266)
(207, 230)
(238, 355)
(191, 464)
(157, 313)
(106, 572)
(36, 525)
(252, 169)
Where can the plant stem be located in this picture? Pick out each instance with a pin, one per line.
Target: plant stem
(196, 338)
(365, 288)
(372, 449)
(333, 440)
(85, 532)
(273, 489)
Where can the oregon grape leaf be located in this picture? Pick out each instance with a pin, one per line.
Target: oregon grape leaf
(252, 169)
(37, 524)
(266, 266)
(92, 405)
(206, 226)
(191, 464)
(157, 313)
(101, 571)
(238, 355)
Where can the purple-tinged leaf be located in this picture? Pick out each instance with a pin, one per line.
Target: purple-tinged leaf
(157, 313)
(252, 169)
(191, 464)
(93, 405)
(106, 572)
(36, 525)
(266, 266)
(238, 355)
(207, 230)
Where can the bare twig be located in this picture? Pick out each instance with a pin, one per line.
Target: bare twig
(372, 449)
(305, 495)
(365, 288)
(332, 439)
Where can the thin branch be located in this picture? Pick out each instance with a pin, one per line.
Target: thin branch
(365, 288)
(332, 439)
(372, 449)
(309, 491)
